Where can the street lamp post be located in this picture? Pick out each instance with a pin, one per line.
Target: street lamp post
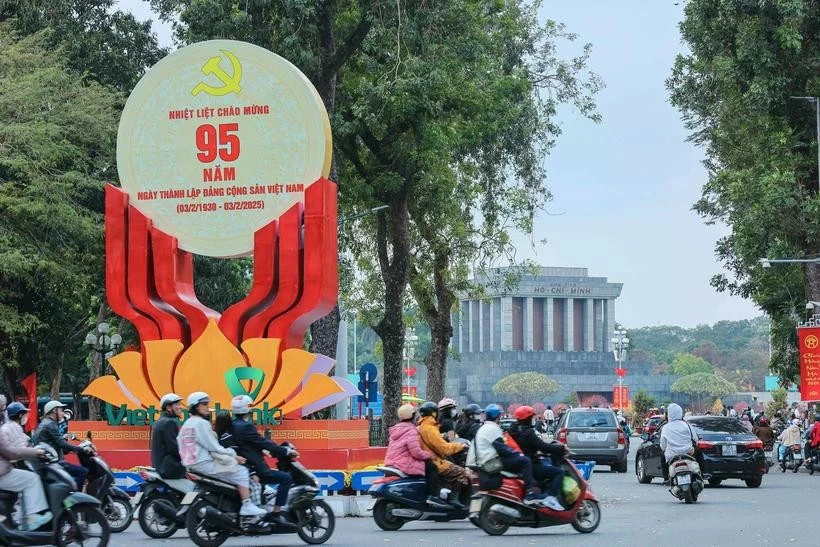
(767, 262)
(620, 343)
(104, 347)
(410, 341)
(815, 101)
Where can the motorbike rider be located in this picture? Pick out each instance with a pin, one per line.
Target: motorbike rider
(677, 437)
(813, 438)
(48, 432)
(789, 437)
(549, 418)
(489, 444)
(252, 446)
(469, 422)
(447, 418)
(13, 447)
(431, 440)
(765, 433)
(164, 449)
(200, 452)
(404, 452)
(540, 453)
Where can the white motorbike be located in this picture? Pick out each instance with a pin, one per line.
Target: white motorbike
(685, 478)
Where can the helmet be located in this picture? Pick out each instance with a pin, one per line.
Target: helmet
(169, 399)
(15, 409)
(796, 422)
(765, 421)
(816, 418)
(524, 413)
(492, 411)
(241, 404)
(446, 403)
(428, 408)
(472, 410)
(196, 398)
(406, 412)
(51, 406)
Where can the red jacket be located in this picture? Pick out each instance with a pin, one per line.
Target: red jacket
(404, 450)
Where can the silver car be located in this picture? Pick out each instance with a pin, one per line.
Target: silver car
(592, 434)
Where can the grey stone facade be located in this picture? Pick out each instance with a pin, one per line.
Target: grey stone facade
(558, 321)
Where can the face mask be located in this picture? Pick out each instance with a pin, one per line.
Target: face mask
(24, 420)
(453, 413)
(532, 421)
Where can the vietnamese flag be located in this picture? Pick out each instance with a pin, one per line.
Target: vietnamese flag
(29, 384)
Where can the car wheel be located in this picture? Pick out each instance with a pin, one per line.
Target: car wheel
(715, 482)
(620, 467)
(754, 482)
(640, 471)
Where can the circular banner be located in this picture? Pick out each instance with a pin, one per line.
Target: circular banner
(217, 140)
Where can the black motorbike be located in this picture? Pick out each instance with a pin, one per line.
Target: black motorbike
(116, 504)
(213, 515)
(159, 502)
(76, 517)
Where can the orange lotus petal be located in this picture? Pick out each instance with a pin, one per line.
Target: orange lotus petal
(160, 356)
(203, 366)
(295, 365)
(317, 387)
(263, 353)
(108, 389)
(128, 366)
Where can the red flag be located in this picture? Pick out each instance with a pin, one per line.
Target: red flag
(29, 384)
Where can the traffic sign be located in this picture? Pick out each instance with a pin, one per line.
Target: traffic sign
(367, 383)
(362, 480)
(368, 372)
(128, 481)
(330, 480)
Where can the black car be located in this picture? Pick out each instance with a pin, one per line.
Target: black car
(726, 450)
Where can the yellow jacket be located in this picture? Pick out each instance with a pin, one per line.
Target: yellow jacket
(431, 441)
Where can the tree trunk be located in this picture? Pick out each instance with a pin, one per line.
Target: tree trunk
(811, 275)
(323, 334)
(394, 271)
(58, 379)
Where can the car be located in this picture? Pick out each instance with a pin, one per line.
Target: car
(726, 450)
(652, 423)
(506, 423)
(593, 434)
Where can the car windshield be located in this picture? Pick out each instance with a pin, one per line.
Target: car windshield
(717, 425)
(591, 419)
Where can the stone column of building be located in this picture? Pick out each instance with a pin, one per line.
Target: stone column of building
(609, 322)
(589, 325)
(528, 323)
(548, 326)
(482, 344)
(506, 323)
(569, 324)
(598, 307)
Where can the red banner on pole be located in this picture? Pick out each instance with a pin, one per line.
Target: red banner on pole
(809, 341)
(29, 384)
(620, 396)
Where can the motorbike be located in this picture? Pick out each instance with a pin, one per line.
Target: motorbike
(685, 478)
(159, 503)
(498, 509)
(401, 498)
(213, 509)
(76, 517)
(792, 458)
(116, 504)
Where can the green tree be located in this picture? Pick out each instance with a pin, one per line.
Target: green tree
(641, 403)
(745, 61)
(56, 151)
(685, 364)
(778, 403)
(703, 385)
(525, 387)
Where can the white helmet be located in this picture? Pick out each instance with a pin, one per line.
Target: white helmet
(241, 404)
(197, 398)
(796, 422)
(169, 399)
(51, 406)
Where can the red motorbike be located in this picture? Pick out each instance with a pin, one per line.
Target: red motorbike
(496, 510)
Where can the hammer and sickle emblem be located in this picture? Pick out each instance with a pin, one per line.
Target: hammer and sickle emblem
(811, 342)
(231, 83)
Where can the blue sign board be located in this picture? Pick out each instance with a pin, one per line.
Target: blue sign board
(128, 481)
(330, 480)
(367, 383)
(363, 480)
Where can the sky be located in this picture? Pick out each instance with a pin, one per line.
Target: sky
(623, 189)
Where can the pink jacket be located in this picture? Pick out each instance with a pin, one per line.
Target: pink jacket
(404, 452)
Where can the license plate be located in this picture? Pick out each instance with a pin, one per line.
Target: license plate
(136, 499)
(593, 436)
(729, 450)
(189, 498)
(475, 505)
(684, 479)
(769, 454)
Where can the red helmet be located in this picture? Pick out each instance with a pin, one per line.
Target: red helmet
(524, 413)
